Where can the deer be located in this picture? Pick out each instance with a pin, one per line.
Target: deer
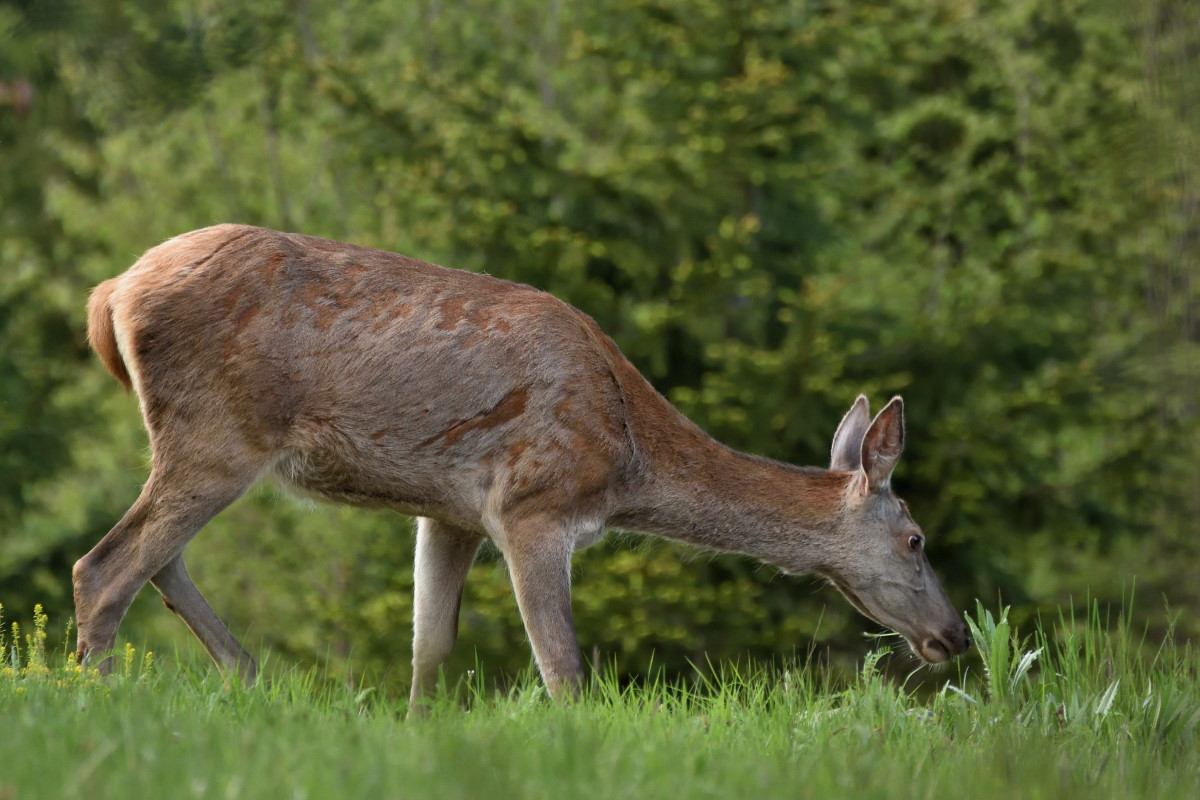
(487, 409)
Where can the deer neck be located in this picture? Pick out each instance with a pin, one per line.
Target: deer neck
(700, 492)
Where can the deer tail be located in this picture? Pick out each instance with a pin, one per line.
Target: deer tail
(101, 333)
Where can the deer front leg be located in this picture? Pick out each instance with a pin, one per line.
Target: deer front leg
(443, 559)
(539, 563)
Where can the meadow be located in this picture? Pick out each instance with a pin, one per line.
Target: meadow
(1080, 706)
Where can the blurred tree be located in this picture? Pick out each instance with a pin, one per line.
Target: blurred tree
(41, 291)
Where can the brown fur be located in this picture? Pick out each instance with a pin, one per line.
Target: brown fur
(490, 409)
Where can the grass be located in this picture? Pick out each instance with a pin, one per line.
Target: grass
(1077, 709)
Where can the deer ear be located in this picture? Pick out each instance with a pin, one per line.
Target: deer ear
(846, 454)
(883, 444)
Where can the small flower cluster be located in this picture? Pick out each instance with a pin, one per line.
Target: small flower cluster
(32, 662)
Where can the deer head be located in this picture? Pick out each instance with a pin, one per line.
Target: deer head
(881, 566)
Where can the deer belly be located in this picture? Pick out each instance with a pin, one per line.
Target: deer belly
(321, 475)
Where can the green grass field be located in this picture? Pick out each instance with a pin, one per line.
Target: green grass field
(1083, 708)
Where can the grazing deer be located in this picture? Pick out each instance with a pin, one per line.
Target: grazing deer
(487, 409)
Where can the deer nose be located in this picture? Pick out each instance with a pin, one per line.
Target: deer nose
(949, 642)
(954, 640)
(960, 638)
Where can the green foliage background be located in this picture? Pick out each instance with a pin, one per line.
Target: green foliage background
(990, 207)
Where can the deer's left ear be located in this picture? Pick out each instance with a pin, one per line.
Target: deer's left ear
(846, 453)
(883, 444)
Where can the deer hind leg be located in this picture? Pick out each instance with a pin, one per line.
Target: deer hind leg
(444, 557)
(182, 597)
(539, 564)
(174, 504)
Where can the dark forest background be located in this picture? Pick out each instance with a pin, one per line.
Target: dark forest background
(988, 207)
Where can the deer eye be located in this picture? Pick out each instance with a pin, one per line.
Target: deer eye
(915, 542)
